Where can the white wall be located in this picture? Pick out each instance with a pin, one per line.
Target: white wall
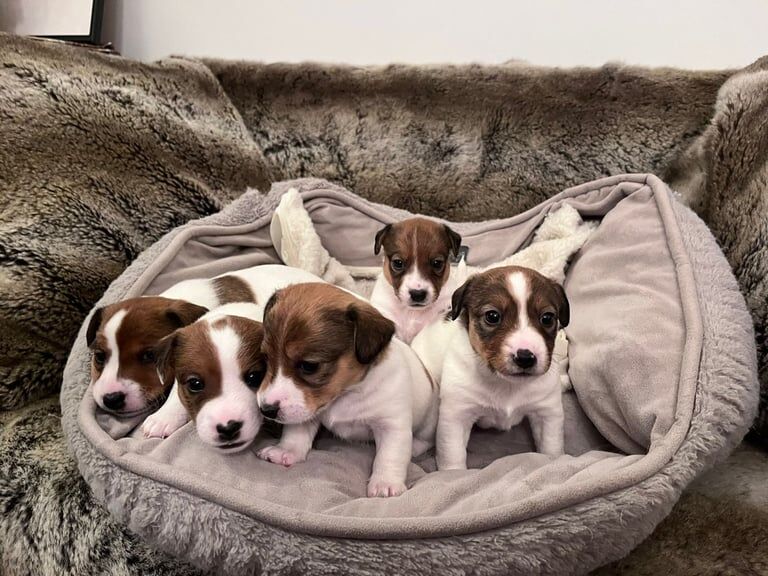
(684, 33)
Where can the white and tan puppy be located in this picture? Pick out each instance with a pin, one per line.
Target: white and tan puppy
(123, 336)
(332, 360)
(216, 366)
(415, 286)
(498, 365)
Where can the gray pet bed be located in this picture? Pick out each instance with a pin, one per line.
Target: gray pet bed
(662, 362)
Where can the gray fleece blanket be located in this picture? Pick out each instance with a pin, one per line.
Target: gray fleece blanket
(100, 151)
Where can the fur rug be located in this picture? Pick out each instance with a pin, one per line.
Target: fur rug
(468, 142)
(100, 152)
(724, 176)
(100, 156)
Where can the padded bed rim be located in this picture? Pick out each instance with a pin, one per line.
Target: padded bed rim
(327, 525)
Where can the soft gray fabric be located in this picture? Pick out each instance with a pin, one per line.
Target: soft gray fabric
(627, 328)
(99, 157)
(576, 538)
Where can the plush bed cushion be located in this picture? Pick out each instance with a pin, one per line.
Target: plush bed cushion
(634, 368)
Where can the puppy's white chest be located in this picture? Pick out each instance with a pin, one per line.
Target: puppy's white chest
(410, 322)
(345, 419)
(357, 431)
(501, 419)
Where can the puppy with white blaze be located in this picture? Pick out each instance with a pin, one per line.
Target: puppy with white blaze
(216, 365)
(332, 360)
(498, 365)
(415, 286)
(123, 336)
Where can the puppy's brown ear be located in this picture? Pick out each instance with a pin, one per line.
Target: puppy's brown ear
(372, 331)
(563, 306)
(182, 313)
(165, 354)
(270, 304)
(454, 240)
(457, 300)
(380, 238)
(93, 326)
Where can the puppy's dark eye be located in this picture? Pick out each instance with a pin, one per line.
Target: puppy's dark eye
(99, 358)
(438, 264)
(147, 357)
(547, 319)
(492, 317)
(308, 368)
(253, 378)
(194, 384)
(397, 264)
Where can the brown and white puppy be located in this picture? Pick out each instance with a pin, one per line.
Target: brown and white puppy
(332, 360)
(415, 288)
(122, 336)
(216, 365)
(497, 366)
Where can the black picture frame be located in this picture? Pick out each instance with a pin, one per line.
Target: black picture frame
(94, 35)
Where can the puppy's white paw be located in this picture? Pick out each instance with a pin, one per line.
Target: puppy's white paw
(278, 455)
(162, 424)
(382, 488)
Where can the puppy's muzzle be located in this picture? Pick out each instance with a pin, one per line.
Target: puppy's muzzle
(114, 401)
(229, 431)
(418, 296)
(270, 411)
(525, 359)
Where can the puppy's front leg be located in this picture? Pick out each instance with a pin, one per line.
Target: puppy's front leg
(453, 429)
(294, 445)
(548, 431)
(171, 416)
(393, 454)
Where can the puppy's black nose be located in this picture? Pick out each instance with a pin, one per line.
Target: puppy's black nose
(525, 358)
(230, 430)
(270, 410)
(114, 400)
(418, 296)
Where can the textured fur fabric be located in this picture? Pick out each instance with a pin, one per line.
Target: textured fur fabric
(99, 157)
(726, 180)
(468, 142)
(100, 151)
(49, 521)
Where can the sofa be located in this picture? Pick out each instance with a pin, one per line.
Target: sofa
(101, 156)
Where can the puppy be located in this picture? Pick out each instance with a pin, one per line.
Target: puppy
(332, 360)
(414, 288)
(498, 365)
(123, 336)
(216, 366)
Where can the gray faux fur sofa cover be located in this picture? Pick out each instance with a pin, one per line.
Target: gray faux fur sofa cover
(668, 378)
(101, 156)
